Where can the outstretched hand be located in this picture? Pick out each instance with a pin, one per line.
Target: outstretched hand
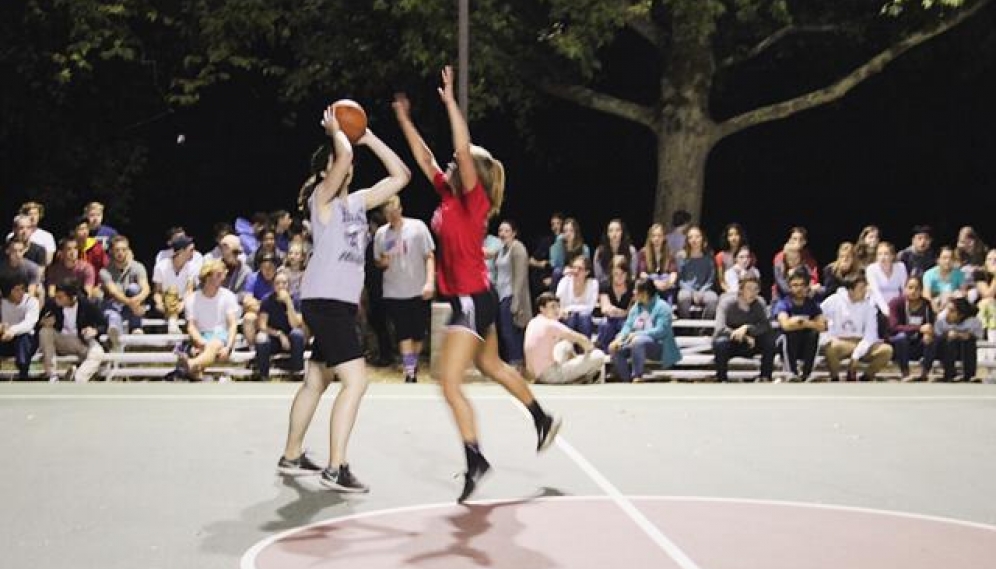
(329, 122)
(402, 106)
(446, 91)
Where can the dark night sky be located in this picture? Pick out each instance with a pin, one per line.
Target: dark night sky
(922, 127)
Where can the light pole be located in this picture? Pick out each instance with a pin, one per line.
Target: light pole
(463, 58)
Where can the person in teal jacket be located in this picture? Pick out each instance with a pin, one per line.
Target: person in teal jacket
(647, 333)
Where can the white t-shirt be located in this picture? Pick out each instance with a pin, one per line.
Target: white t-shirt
(166, 276)
(69, 314)
(407, 248)
(210, 314)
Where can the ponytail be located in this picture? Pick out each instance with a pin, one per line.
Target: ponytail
(491, 173)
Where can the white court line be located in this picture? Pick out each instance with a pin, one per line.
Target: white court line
(497, 397)
(669, 547)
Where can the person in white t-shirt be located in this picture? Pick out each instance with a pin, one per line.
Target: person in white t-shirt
(550, 348)
(173, 280)
(212, 319)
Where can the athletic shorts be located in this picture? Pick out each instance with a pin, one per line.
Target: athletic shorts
(409, 316)
(476, 312)
(220, 335)
(333, 326)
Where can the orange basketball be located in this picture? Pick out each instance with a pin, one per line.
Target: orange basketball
(352, 118)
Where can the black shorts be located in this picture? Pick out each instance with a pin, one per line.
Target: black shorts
(333, 326)
(476, 312)
(409, 316)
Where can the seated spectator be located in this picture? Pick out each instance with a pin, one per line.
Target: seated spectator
(984, 280)
(258, 287)
(865, 248)
(681, 221)
(911, 329)
(68, 265)
(19, 313)
(789, 260)
(566, 247)
(853, 329)
(799, 237)
(490, 247)
(13, 264)
(958, 331)
(943, 280)
(844, 266)
(281, 221)
(222, 229)
(742, 267)
(212, 319)
(126, 288)
(173, 280)
(615, 241)
(614, 300)
(919, 257)
(647, 333)
(733, 238)
(512, 284)
(696, 276)
(178, 233)
(90, 249)
(32, 251)
(551, 348)
(887, 279)
(656, 262)
(578, 296)
(36, 212)
(970, 252)
(94, 213)
(281, 329)
(742, 329)
(801, 321)
(248, 231)
(267, 247)
(540, 269)
(237, 277)
(294, 269)
(71, 324)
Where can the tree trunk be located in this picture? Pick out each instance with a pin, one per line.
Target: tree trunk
(681, 161)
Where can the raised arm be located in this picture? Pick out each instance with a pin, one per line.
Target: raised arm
(398, 175)
(423, 156)
(339, 163)
(461, 134)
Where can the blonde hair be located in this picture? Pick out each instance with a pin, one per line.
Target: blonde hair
(212, 266)
(490, 173)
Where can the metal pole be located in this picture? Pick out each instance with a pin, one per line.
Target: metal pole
(463, 62)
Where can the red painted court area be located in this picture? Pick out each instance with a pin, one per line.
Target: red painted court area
(641, 532)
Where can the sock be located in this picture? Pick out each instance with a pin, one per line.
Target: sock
(410, 362)
(472, 451)
(536, 411)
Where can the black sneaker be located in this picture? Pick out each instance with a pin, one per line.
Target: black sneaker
(342, 480)
(411, 378)
(546, 432)
(475, 472)
(298, 466)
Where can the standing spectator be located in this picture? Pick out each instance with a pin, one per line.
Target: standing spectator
(696, 276)
(853, 329)
(94, 213)
(647, 333)
(14, 263)
(550, 348)
(919, 257)
(90, 249)
(540, 269)
(842, 268)
(281, 328)
(742, 329)
(514, 303)
(742, 267)
(958, 331)
(71, 325)
(578, 295)
(19, 313)
(681, 221)
(657, 263)
(801, 321)
(35, 212)
(911, 329)
(212, 319)
(615, 241)
(68, 265)
(614, 300)
(126, 288)
(404, 250)
(173, 279)
(568, 245)
(943, 280)
(32, 251)
(865, 247)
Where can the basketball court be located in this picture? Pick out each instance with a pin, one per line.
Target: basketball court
(665, 476)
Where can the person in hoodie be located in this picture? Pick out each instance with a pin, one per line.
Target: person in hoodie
(853, 329)
(647, 333)
(958, 331)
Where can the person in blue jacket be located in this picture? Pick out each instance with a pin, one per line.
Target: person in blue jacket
(647, 333)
